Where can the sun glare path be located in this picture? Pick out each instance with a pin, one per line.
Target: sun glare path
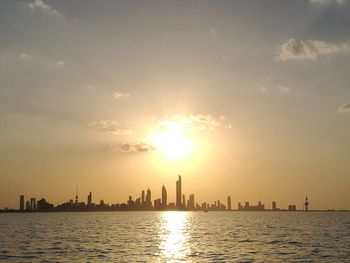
(169, 138)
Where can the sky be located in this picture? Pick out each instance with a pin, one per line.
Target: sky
(243, 98)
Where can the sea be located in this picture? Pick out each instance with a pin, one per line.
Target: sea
(175, 237)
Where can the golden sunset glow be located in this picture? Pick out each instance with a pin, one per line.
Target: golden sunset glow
(170, 139)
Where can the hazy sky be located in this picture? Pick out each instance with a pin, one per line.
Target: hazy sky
(263, 87)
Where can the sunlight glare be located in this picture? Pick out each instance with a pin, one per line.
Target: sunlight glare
(170, 139)
(173, 238)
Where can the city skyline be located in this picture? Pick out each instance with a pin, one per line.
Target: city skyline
(144, 203)
(249, 98)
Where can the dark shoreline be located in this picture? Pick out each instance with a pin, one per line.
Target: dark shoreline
(284, 211)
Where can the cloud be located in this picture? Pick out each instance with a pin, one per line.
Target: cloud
(43, 60)
(339, 2)
(25, 56)
(137, 147)
(261, 88)
(264, 88)
(109, 126)
(199, 122)
(344, 108)
(40, 5)
(306, 50)
(283, 88)
(213, 33)
(121, 95)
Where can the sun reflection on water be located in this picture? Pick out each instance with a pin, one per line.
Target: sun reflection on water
(174, 237)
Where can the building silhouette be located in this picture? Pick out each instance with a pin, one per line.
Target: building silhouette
(164, 197)
(143, 197)
(306, 204)
(190, 202)
(274, 206)
(76, 196)
(229, 208)
(178, 193)
(148, 203)
(32, 204)
(247, 207)
(89, 199)
(292, 208)
(21, 202)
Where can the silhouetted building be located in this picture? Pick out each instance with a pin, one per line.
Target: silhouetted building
(164, 197)
(76, 196)
(306, 204)
(229, 203)
(148, 202)
(130, 202)
(89, 199)
(274, 207)
(28, 207)
(247, 207)
(183, 205)
(292, 208)
(157, 204)
(178, 193)
(44, 206)
(190, 203)
(32, 204)
(21, 202)
(143, 197)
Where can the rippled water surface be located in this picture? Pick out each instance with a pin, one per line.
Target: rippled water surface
(175, 237)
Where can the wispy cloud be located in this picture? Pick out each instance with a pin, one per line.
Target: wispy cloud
(121, 95)
(199, 122)
(264, 88)
(212, 33)
(306, 50)
(261, 88)
(109, 126)
(339, 2)
(40, 5)
(345, 108)
(43, 60)
(283, 88)
(133, 147)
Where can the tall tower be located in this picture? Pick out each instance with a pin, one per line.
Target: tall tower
(21, 202)
(164, 197)
(89, 199)
(76, 195)
(178, 193)
(148, 199)
(143, 197)
(229, 208)
(306, 204)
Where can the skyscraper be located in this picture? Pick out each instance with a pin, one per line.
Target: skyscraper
(164, 197)
(148, 202)
(178, 193)
(190, 203)
(89, 199)
(21, 202)
(143, 197)
(183, 205)
(76, 195)
(229, 208)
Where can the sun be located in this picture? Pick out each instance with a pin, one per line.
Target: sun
(169, 138)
